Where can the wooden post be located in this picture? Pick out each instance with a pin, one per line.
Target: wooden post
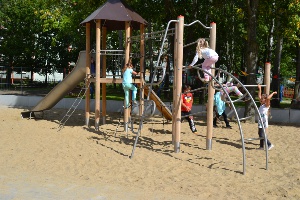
(174, 83)
(178, 85)
(97, 83)
(142, 59)
(104, 76)
(267, 78)
(127, 52)
(87, 71)
(211, 92)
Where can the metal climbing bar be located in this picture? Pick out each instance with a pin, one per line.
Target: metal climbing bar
(151, 84)
(231, 102)
(197, 21)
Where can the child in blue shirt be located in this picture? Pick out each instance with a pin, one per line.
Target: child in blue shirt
(220, 107)
(127, 82)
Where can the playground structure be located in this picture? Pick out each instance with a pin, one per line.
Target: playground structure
(82, 71)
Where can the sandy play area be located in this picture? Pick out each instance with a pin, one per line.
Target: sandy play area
(39, 162)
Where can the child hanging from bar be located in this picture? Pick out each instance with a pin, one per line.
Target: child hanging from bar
(229, 87)
(186, 107)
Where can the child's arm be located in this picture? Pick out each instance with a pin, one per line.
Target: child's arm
(135, 73)
(259, 91)
(194, 61)
(187, 108)
(271, 95)
(183, 105)
(268, 100)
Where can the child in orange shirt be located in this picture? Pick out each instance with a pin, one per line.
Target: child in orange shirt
(186, 107)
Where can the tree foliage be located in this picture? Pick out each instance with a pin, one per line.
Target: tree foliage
(36, 34)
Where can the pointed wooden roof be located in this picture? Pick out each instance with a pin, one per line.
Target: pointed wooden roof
(113, 14)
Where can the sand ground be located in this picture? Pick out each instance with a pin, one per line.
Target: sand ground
(39, 162)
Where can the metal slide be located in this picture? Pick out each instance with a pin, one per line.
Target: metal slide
(159, 104)
(60, 90)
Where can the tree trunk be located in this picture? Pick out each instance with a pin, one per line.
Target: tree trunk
(270, 43)
(251, 55)
(8, 75)
(296, 99)
(275, 85)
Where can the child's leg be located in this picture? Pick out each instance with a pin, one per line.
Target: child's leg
(126, 91)
(191, 123)
(134, 91)
(206, 76)
(215, 119)
(260, 134)
(235, 90)
(206, 66)
(262, 141)
(225, 119)
(184, 115)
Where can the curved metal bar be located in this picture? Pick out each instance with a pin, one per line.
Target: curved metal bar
(157, 63)
(201, 88)
(213, 78)
(255, 106)
(207, 27)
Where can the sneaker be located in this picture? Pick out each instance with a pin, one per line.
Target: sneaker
(229, 127)
(270, 147)
(260, 148)
(215, 126)
(195, 132)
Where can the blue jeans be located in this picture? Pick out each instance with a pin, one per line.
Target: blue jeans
(262, 141)
(127, 87)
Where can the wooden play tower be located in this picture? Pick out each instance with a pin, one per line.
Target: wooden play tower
(111, 16)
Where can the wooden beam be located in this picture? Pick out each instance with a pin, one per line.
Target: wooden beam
(114, 80)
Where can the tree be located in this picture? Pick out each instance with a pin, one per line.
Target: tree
(251, 52)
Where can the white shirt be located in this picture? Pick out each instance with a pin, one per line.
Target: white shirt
(263, 111)
(206, 53)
